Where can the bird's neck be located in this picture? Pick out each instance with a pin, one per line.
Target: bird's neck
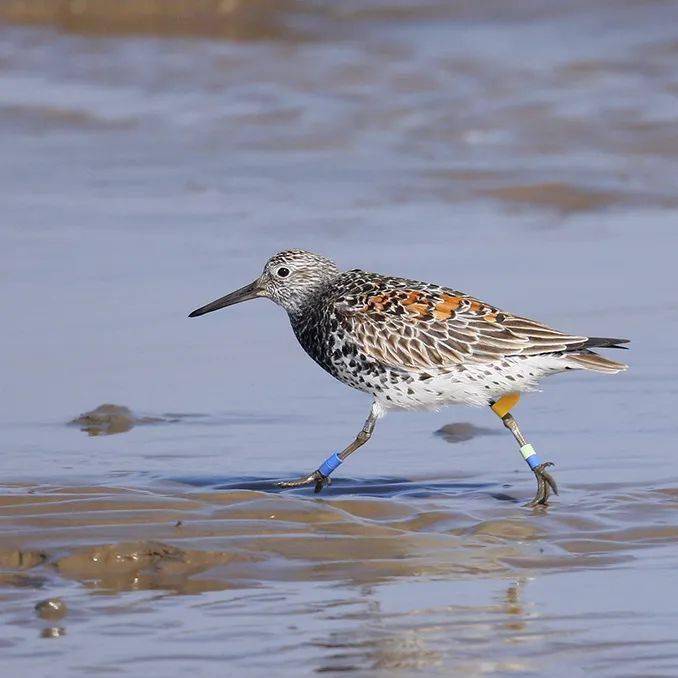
(311, 325)
(306, 306)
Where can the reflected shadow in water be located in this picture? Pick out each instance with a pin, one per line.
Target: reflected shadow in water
(367, 487)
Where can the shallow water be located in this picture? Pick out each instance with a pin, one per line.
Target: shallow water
(525, 155)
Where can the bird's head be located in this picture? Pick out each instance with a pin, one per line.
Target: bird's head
(288, 279)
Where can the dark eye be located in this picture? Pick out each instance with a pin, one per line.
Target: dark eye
(283, 272)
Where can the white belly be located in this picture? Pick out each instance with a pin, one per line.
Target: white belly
(474, 384)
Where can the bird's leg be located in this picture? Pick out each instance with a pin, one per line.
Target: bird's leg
(321, 476)
(545, 482)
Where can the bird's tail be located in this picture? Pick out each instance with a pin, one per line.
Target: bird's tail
(605, 342)
(585, 359)
(588, 360)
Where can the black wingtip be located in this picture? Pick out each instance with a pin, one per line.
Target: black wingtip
(605, 342)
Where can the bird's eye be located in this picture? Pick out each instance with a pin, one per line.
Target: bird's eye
(283, 272)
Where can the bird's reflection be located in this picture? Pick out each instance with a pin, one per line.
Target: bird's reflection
(421, 639)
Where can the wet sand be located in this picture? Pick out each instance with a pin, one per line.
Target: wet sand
(428, 575)
(524, 154)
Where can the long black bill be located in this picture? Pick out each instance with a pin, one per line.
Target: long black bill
(250, 291)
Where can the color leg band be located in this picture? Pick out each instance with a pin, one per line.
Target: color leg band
(530, 456)
(330, 464)
(505, 404)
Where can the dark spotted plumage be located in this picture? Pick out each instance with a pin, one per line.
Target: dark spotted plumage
(415, 345)
(376, 333)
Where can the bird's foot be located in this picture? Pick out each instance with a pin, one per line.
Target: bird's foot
(545, 484)
(316, 477)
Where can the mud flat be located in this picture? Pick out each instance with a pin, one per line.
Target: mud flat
(292, 561)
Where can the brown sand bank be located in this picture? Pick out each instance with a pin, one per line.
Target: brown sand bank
(459, 581)
(233, 19)
(121, 539)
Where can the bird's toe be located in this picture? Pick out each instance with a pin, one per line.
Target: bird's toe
(299, 482)
(320, 482)
(316, 478)
(545, 485)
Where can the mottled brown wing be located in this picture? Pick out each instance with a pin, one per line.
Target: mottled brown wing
(429, 329)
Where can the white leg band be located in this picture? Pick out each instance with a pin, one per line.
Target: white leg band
(527, 451)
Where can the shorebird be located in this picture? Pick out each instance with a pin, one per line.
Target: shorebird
(414, 345)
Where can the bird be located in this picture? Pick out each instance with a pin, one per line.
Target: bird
(415, 345)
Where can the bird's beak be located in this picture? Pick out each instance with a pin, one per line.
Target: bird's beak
(251, 291)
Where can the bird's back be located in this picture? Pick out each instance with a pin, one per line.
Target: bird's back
(387, 335)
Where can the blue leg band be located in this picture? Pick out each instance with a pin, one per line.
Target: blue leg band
(534, 461)
(530, 456)
(330, 464)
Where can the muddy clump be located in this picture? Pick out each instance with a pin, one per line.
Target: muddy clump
(51, 609)
(17, 559)
(141, 564)
(462, 431)
(108, 419)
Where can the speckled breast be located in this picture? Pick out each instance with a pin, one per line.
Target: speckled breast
(320, 334)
